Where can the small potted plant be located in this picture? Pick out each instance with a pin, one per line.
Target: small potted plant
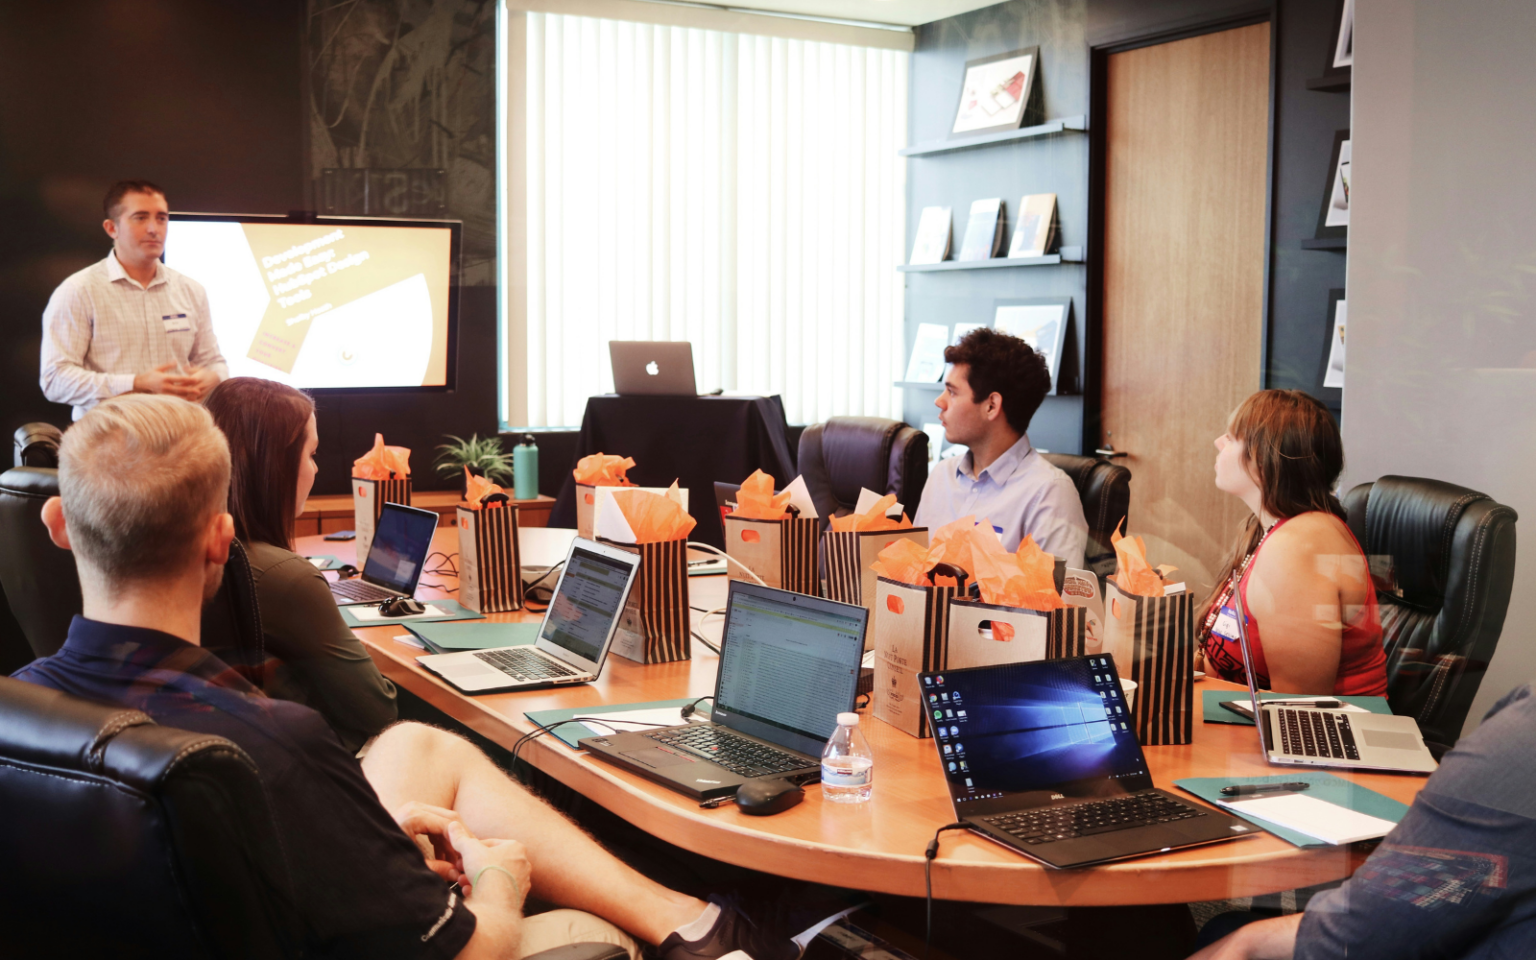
(483, 458)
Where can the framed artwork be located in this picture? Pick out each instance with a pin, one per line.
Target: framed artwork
(1343, 53)
(1043, 324)
(1331, 372)
(1333, 218)
(998, 93)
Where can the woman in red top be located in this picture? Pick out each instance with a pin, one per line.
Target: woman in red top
(1305, 582)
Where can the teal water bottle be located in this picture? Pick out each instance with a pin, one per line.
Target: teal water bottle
(525, 469)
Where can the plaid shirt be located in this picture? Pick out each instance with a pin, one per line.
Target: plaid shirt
(101, 328)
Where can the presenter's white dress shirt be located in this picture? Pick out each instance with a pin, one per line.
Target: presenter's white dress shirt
(101, 328)
(1020, 492)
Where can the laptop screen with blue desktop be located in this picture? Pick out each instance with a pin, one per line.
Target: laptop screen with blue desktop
(401, 540)
(1014, 735)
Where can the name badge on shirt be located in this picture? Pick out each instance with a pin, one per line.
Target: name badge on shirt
(1226, 624)
(176, 323)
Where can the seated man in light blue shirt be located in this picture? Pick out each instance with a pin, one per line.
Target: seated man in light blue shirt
(993, 389)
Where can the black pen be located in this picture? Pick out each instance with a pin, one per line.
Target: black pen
(1249, 789)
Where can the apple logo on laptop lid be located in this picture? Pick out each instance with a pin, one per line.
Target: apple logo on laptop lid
(652, 369)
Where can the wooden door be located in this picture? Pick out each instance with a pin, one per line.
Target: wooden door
(1186, 145)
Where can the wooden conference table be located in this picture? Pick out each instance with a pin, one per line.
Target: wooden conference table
(876, 846)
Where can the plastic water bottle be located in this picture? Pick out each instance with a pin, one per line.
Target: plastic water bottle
(847, 766)
(525, 469)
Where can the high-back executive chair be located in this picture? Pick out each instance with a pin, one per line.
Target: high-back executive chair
(1452, 555)
(1105, 489)
(131, 839)
(846, 453)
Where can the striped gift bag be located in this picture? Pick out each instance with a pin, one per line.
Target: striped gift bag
(368, 498)
(781, 552)
(655, 626)
(490, 579)
(911, 631)
(985, 634)
(849, 557)
(1153, 642)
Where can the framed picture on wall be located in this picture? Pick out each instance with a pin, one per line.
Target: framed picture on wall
(1330, 377)
(1333, 218)
(1043, 323)
(1343, 37)
(998, 93)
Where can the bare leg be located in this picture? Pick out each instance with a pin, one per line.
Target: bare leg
(411, 761)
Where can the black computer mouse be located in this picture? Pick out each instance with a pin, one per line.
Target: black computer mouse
(762, 798)
(401, 607)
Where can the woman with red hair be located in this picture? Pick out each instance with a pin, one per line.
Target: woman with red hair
(1313, 626)
(319, 662)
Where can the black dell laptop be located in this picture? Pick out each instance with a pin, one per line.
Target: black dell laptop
(789, 664)
(1041, 757)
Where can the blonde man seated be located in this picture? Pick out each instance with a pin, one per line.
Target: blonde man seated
(374, 848)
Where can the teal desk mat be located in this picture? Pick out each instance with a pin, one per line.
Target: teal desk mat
(451, 636)
(1216, 713)
(454, 612)
(331, 563)
(572, 732)
(1324, 786)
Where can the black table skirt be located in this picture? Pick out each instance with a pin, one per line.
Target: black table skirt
(693, 440)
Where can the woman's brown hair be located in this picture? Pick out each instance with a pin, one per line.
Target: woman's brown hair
(1293, 447)
(264, 422)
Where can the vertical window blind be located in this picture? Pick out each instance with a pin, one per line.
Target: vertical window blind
(740, 192)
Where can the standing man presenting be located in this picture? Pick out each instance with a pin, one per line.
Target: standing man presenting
(129, 324)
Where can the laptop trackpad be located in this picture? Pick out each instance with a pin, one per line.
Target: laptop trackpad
(467, 669)
(1389, 739)
(656, 757)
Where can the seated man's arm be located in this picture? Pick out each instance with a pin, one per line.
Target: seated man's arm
(1054, 518)
(498, 876)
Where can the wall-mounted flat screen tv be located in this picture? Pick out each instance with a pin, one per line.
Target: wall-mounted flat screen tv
(330, 303)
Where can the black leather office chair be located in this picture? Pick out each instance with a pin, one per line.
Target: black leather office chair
(37, 445)
(1451, 553)
(130, 839)
(39, 579)
(845, 453)
(1105, 489)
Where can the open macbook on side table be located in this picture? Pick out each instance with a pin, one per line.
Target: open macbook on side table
(1042, 757)
(655, 367)
(789, 664)
(574, 638)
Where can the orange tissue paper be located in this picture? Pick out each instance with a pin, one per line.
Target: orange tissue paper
(1026, 579)
(1132, 572)
(756, 501)
(604, 470)
(654, 518)
(964, 543)
(872, 519)
(905, 561)
(478, 489)
(382, 462)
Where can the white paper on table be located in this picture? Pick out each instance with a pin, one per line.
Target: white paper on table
(369, 613)
(1343, 707)
(800, 499)
(867, 500)
(1326, 821)
(927, 363)
(653, 716)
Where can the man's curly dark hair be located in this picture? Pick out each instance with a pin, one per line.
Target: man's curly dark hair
(1005, 365)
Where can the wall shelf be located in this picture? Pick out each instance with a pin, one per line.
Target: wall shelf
(1067, 255)
(1334, 83)
(1046, 129)
(1327, 243)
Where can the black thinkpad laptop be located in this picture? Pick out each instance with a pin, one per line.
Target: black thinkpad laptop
(789, 664)
(1042, 757)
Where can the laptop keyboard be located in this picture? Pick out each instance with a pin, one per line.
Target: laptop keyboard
(360, 590)
(741, 756)
(523, 663)
(1050, 824)
(1309, 733)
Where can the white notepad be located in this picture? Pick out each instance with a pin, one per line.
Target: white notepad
(369, 613)
(1326, 821)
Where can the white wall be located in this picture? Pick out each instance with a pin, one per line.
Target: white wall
(1441, 375)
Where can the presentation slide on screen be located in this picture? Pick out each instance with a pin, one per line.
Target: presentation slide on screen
(317, 305)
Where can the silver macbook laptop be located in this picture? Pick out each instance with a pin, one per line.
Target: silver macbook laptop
(401, 541)
(1311, 736)
(662, 368)
(574, 638)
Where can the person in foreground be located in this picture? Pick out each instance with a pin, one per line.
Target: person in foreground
(1305, 583)
(373, 846)
(1456, 878)
(993, 388)
(129, 323)
(320, 662)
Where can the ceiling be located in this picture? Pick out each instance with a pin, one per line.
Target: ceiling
(907, 13)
